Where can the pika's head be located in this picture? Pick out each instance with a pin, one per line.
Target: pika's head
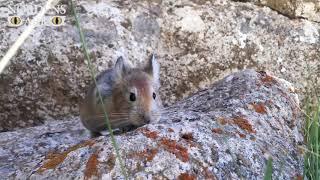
(136, 91)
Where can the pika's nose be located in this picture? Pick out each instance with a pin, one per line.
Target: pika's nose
(146, 118)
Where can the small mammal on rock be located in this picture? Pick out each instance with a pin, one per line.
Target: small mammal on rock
(130, 97)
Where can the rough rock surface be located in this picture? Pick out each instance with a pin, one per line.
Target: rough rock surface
(309, 9)
(226, 131)
(197, 42)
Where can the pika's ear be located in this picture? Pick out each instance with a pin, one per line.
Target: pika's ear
(153, 68)
(121, 67)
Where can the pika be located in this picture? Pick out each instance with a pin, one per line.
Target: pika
(130, 97)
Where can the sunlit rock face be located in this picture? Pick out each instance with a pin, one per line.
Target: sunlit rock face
(225, 131)
(308, 9)
(196, 42)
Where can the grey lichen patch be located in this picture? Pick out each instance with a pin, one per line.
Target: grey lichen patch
(145, 27)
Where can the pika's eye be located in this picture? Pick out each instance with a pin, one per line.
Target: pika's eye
(154, 95)
(132, 97)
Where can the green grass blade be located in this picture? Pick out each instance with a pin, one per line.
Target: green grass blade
(316, 121)
(268, 173)
(311, 163)
(93, 74)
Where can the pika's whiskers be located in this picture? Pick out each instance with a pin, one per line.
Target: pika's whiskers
(129, 96)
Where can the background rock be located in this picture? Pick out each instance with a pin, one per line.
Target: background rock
(309, 9)
(197, 42)
(226, 131)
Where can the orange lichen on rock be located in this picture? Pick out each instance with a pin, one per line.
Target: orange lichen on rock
(259, 108)
(266, 79)
(208, 175)
(299, 177)
(150, 154)
(217, 130)
(91, 167)
(149, 134)
(222, 121)
(244, 124)
(54, 159)
(241, 135)
(147, 154)
(179, 151)
(186, 176)
(239, 121)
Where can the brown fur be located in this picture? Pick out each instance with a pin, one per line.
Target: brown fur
(120, 109)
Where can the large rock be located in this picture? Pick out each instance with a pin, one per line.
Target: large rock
(197, 42)
(227, 131)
